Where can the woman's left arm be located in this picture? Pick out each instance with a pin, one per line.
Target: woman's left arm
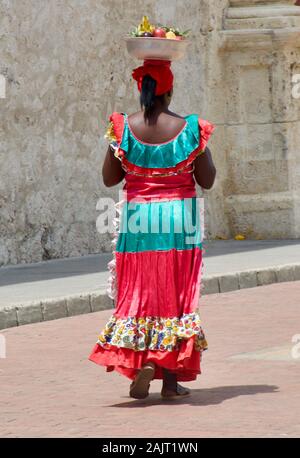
(112, 171)
(205, 170)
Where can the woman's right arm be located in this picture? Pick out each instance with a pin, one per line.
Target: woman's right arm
(205, 170)
(112, 171)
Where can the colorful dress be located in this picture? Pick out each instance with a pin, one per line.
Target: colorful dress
(157, 266)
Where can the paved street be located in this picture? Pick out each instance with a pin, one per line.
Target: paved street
(249, 385)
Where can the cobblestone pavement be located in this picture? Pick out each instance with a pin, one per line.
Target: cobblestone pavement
(249, 384)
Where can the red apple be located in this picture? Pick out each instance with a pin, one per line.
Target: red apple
(159, 33)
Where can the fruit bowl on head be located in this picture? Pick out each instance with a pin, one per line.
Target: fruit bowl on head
(149, 47)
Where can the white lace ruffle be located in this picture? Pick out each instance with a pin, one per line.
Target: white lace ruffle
(201, 208)
(112, 279)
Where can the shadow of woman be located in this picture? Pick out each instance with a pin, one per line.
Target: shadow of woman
(203, 396)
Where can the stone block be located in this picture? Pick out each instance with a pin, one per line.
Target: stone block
(210, 285)
(100, 301)
(285, 273)
(8, 318)
(29, 313)
(247, 279)
(78, 305)
(228, 282)
(266, 277)
(54, 308)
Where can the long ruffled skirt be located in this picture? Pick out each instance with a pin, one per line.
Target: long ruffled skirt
(155, 282)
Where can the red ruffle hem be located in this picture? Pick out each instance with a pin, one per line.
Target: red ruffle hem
(185, 361)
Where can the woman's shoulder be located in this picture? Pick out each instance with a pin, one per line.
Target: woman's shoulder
(193, 120)
(206, 127)
(196, 123)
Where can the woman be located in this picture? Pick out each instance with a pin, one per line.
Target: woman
(155, 331)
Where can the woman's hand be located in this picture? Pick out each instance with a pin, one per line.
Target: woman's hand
(205, 170)
(112, 171)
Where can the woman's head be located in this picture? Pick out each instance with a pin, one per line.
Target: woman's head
(155, 83)
(148, 99)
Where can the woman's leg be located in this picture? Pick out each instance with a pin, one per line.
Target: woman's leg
(171, 388)
(169, 380)
(139, 388)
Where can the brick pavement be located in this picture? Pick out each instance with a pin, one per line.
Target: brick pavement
(249, 385)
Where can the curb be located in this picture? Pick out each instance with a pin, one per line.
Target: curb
(62, 307)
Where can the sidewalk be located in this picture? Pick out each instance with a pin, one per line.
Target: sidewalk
(249, 385)
(58, 288)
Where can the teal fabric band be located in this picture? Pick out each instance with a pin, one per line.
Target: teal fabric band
(160, 226)
(163, 155)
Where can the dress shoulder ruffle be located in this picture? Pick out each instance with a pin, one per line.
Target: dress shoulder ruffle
(206, 130)
(115, 128)
(167, 158)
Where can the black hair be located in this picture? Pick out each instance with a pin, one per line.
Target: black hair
(148, 97)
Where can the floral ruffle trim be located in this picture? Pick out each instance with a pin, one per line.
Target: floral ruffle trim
(110, 133)
(153, 333)
(201, 204)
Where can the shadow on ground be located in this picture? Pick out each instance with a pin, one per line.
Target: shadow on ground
(202, 397)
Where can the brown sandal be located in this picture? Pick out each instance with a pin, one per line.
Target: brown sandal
(180, 392)
(139, 388)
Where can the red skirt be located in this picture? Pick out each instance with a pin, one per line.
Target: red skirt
(185, 361)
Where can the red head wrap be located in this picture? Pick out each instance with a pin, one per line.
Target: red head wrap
(159, 70)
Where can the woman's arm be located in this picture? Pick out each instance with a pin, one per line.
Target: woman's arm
(112, 171)
(205, 170)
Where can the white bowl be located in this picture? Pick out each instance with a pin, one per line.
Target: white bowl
(156, 48)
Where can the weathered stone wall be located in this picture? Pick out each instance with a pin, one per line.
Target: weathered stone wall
(67, 69)
(260, 53)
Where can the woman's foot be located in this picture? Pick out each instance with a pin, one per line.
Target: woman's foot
(139, 388)
(171, 388)
(175, 393)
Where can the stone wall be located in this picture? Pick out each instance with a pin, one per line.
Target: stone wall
(260, 50)
(67, 69)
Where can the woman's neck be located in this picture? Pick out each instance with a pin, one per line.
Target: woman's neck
(157, 110)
